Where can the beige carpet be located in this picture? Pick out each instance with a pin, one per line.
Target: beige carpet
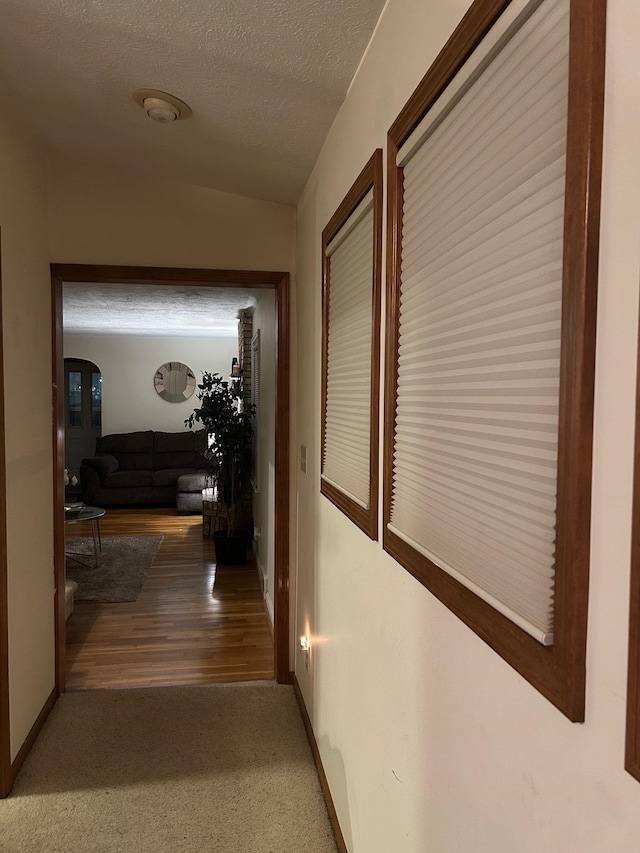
(219, 768)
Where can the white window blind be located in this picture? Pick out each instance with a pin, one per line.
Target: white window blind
(346, 452)
(475, 452)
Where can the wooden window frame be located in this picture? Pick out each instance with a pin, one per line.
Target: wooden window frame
(370, 177)
(558, 671)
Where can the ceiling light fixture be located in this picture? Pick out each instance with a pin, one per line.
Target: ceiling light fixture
(160, 106)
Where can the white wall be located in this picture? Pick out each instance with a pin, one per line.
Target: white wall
(104, 216)
(26, 322)
(96, 216)
(429, 740)
(264, 320)
(128, 364)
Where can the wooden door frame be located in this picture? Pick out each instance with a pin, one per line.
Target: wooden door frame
(102, 274)
(6, 776)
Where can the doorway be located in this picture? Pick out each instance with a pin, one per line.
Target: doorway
(279, 283)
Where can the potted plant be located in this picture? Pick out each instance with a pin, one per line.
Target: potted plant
(229, 429)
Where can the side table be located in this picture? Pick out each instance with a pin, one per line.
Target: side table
(92, 514)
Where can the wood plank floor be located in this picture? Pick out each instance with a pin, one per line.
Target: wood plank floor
(192, 623)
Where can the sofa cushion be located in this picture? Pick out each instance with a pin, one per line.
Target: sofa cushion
(186, 459)
(135, 461)
(179, 450)
(128, 479)
(169, 476)
(200, 441)
(133, 450)
(174, 442)
(125, 442)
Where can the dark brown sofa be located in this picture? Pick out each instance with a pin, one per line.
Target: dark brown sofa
(143, 469)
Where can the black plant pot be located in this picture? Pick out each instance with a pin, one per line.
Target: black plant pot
(230, 550)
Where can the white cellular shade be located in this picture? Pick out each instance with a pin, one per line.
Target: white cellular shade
(475, 454)
(346, 452)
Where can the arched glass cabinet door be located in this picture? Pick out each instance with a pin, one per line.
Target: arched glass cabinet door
(83, 411)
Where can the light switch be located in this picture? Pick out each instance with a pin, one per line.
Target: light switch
(303, 458)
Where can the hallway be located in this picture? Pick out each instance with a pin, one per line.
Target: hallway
(217, 768)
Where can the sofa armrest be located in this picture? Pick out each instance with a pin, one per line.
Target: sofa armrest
(89, 485)
(103, 465)
(93, 472)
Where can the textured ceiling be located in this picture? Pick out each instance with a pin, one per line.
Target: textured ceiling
(119, 309)
(264, 79)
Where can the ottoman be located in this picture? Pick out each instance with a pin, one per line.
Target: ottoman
(189, 493)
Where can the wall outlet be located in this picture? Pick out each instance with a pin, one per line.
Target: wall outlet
(305, 650)
(303, 458)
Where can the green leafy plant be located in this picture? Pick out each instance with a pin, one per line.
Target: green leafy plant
(229, 428)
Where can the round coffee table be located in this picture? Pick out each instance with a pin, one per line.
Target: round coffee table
(92, 514)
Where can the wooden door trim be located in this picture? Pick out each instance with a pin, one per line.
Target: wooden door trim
(58, 480)
(105, 274)
(6, 779)
(632, 738)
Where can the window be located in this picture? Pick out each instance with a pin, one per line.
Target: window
(494, 208)
(74, 399)
(352, 252)
(96, 400)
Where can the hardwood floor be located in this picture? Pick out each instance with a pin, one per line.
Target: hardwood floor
(192, 623)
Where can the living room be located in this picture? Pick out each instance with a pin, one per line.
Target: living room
(128, 338)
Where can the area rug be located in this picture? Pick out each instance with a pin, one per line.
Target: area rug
(122, 568)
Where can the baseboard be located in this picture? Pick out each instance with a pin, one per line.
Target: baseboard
(25, 749)
(268, 606)
(331, 810)
(266, 597)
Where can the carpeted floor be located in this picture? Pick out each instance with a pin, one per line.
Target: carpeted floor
(123, 565)
(219, 768)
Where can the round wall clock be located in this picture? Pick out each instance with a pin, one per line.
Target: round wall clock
(174, 382)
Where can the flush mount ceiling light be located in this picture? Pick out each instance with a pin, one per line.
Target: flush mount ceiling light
(160, 106)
